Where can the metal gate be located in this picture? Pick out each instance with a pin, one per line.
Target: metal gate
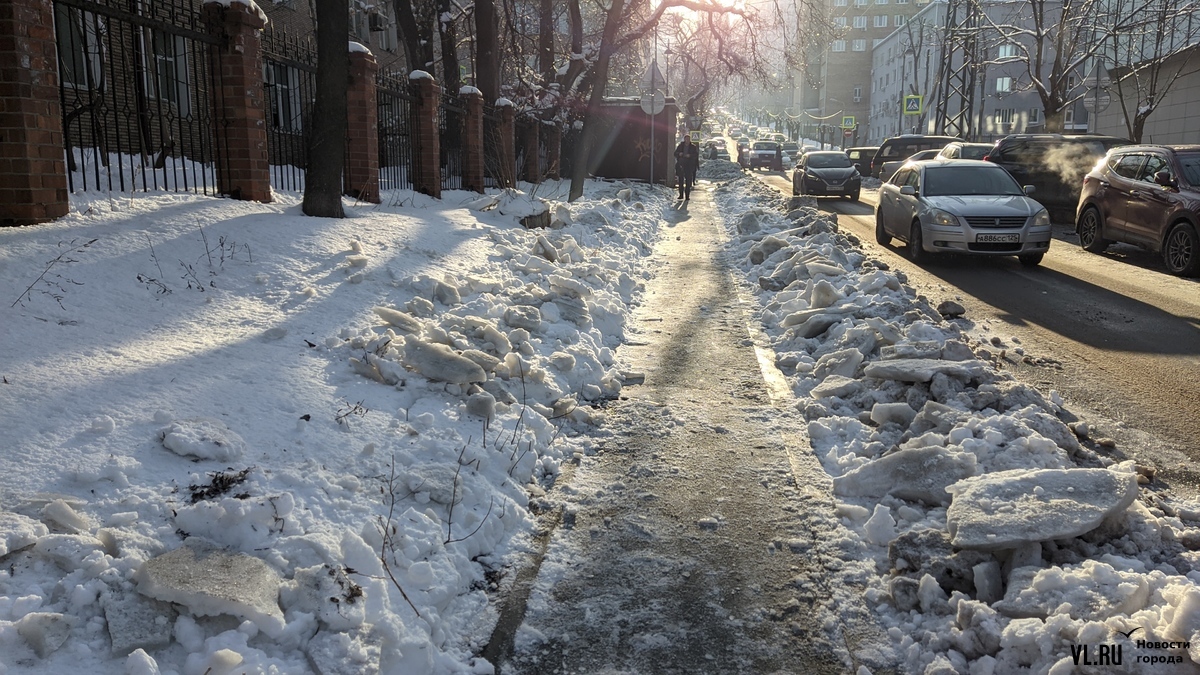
(134, 81)
(494, 173)
(395, 104)
(289, 75)
(451, 116)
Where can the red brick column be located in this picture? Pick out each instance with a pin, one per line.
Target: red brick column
(33, 168)
(531, 143)
(239, 104)
(362, 129)
(552, 139)
(426, 163)
(472, 147)
(508, 158)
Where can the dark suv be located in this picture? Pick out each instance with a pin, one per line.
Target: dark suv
(1148, 195)
(899, 148)
(1053, 164)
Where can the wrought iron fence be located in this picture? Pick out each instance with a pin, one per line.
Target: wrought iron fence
(451, 116)
(395, 102)
(289, 75)
(494, 173)
(134, 83)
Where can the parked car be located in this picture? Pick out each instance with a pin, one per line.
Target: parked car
(1054, 164)
(961, 206)
(792, 149)
(897, 148)
(862, 158)
(826, 173)
(889, 168)
(959, 150)
(1148, 195)
(762, 154)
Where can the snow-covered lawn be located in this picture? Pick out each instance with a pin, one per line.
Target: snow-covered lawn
(990, 541)
(314, 437)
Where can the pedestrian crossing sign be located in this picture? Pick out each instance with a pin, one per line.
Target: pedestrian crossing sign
(848, 122)
(913, 104)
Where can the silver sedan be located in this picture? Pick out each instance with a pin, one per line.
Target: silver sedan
(961, 206)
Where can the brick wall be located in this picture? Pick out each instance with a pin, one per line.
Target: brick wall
(426, 162)
(362, 130)
(473, 142)
(33, 178)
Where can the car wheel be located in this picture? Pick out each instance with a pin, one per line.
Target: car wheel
(1089, 231)
(916, 247)
(853, 196)
(1181, 252)
(1031, 259)
(881, 235)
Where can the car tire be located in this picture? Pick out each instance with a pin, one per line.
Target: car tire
(916, 245)
(881, 235)
(1181, 251)
(853, 196)
(1031, 259)
(1089, 227)
(795, 190)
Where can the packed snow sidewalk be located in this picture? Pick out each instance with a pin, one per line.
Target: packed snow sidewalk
(240, 440)
(993, 542)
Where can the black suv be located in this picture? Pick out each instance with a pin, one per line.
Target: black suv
(898, 148)
(1053, 164)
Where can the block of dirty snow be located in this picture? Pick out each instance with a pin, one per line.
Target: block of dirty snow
(402, 321)
(922, 370)
(17, 532)
(921, 474)
(1009, 508)
(210, 581)
(950, 308)
(439, 362)
(351, 653)
(904, 593)
(137, 622)
(523, 316)
(60, 514)
(68, 550)
(202, 437)
(482, 405)
(836, 385)
(900, 413)
(141, 663)
(45, 632)
(1091, 591)
(989, 584)
(928, 551)
(328, 593)
(843, 362)
(824, 294)
(880, 528)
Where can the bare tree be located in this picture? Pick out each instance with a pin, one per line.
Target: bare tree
(327, 136)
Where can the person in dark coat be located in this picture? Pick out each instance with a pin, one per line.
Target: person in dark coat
(687, 161)
(778, 157)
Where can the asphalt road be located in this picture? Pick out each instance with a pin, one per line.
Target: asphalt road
(1115, 334)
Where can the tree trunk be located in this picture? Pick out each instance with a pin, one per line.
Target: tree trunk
(447, 26)
(546, 41)
(487, 58)
(327, 134)
(579, 167)
(407, 20)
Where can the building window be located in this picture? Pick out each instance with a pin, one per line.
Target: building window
(1005, 115)
(881, 20)
(858, 94)
(283, 83)
(839, 45)
(839, 3)
(1035, 115)
(168, 76)
(79, 46)
(1003, 85)
(839, 21)
(899, 20)
(1072, 81)
(860, 3)
(360, 26)
(381, 23)
(860, 22)
(860, 45)
(1007, 51)
(1069, 116)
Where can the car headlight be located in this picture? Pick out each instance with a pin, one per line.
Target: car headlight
(1041, 218)
(943, 218)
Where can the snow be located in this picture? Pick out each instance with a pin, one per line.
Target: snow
(419, 75)
(264, 402)
(359, 48)
(467, 90)
(253, 6)
(503, 103)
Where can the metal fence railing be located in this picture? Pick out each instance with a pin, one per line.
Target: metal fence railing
(289, 74)
(394, 99)
(451, 115)
(494, 174)
(134, 84)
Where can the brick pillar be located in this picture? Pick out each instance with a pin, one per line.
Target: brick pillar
(239, 104)
(33, 168)
(552, 139)
(426, 150)
(508, 159)
(362, 130)
(472, 142)
(531, 143)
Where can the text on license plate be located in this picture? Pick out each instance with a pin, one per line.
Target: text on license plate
(998, 238)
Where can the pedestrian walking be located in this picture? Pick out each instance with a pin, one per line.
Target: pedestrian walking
(687, 161)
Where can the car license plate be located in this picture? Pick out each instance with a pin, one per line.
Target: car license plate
(997, 238)
(834, 186)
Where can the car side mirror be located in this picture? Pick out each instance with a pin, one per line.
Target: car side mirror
(1029, 189)
(908, 190)
(1164, 179)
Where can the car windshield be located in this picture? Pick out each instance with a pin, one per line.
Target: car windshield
(1190, 161)
(830, 161)
(765, 146)
(974, 151)
(961, 180)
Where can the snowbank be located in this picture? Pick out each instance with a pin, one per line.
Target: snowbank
(989, 541)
